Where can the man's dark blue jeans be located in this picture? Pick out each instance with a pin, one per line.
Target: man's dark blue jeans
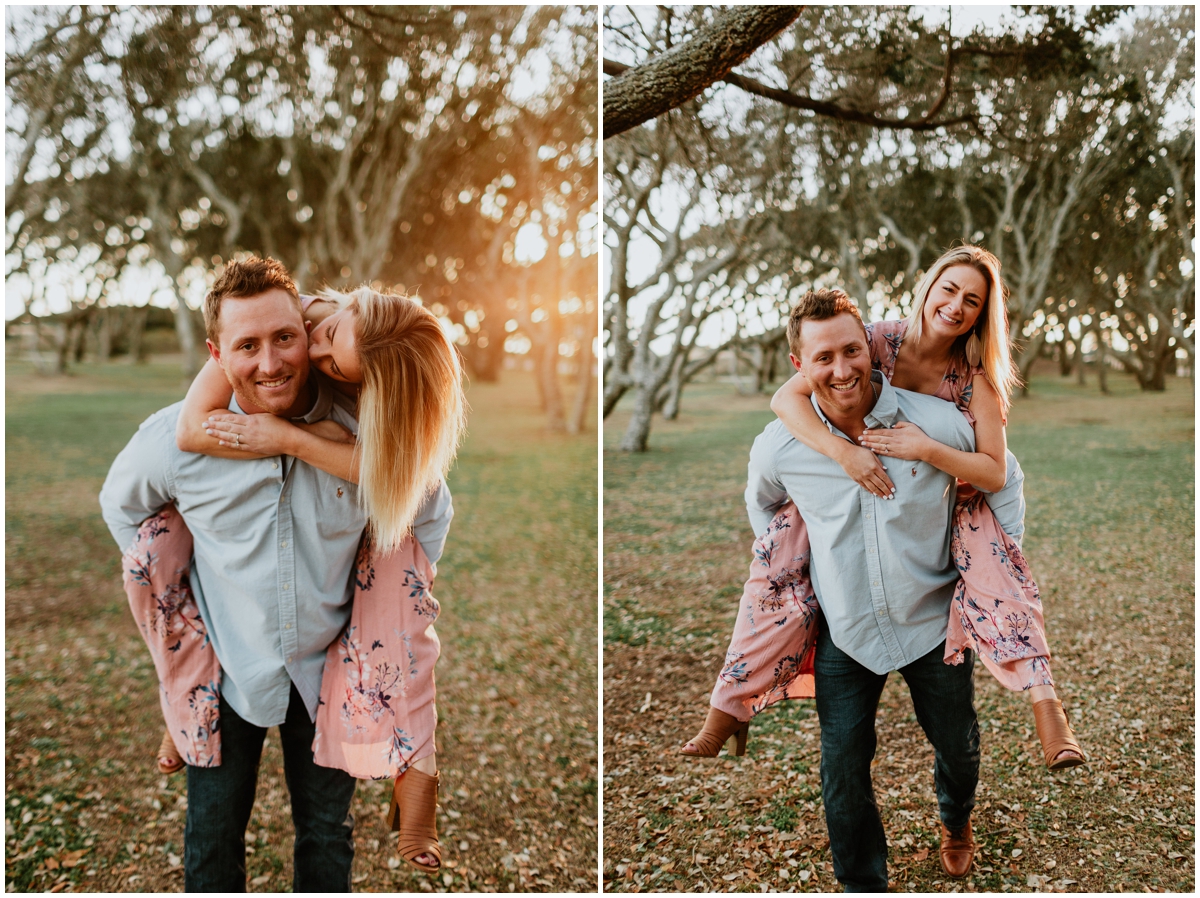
(847, 698)
(220, 800)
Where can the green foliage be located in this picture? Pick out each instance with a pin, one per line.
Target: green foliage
(781, 814)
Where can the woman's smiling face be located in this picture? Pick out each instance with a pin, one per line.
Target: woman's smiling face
(955, 301)
(332, 348)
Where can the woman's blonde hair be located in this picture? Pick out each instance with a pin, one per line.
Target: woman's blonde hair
(411, 407)
(992, 326)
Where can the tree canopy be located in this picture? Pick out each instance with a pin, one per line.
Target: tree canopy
(445, 151)
(722, 211)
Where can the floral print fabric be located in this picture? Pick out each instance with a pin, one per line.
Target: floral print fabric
(376, 715)
(156, 572)
(771, 654)
(996, 610)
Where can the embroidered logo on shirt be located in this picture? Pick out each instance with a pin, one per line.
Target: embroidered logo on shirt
(340, 489)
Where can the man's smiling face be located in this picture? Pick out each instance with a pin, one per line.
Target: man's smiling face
(835, 359)
(264, 352)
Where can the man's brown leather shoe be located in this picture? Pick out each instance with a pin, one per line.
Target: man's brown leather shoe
(958, 850)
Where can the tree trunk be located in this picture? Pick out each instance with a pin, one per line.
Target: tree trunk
(1157, 369)
(135, 329)
(186, 332)
(1080, 372)
(669, 399)
(1029, 355)
(674, 395)
(612, 394)
(552, 401)
(30, 344)
(104, 336)
(638, 431)
(485, 356)
(1101, 361)
(75, 335)
(754, 361)
(58, 333)
(587, 381)
(1065, 358)
(552, 337)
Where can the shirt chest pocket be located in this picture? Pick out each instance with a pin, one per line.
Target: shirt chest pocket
(335, 507)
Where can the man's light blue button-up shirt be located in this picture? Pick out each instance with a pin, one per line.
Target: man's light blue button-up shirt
(881, 568)
(274, 547)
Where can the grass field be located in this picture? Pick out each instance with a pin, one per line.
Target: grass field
(86, 810)
(1110, 489)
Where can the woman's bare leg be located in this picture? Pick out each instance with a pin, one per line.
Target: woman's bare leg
(1040, 693)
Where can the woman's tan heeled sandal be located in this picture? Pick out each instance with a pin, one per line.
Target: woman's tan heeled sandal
(1059, 744)
(717, 729)
(167, 752)
(413, 813)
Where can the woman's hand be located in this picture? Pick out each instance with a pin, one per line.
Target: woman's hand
(258, 434)
(866, 470)
(903, 440)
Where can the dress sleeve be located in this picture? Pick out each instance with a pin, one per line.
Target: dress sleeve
(958, 386)
(883, 342)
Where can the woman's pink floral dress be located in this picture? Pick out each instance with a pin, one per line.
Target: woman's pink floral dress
(376, 714)
(996, 610)
(156, 572)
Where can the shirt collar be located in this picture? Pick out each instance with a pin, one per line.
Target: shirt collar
(321, 407)
(883, 414)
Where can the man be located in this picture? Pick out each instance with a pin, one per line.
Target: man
(882, 572)
(274, 546)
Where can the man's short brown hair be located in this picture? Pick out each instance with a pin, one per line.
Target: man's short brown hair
(818, 305)
(240, 279)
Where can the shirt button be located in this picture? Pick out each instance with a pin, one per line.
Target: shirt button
(283, 544)
(289, 660)
(874, 582)
(872, 551)
(287, 626)
(274, 464)
(285, 586)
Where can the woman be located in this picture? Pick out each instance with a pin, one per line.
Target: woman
(954, 345)
(389, 357)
